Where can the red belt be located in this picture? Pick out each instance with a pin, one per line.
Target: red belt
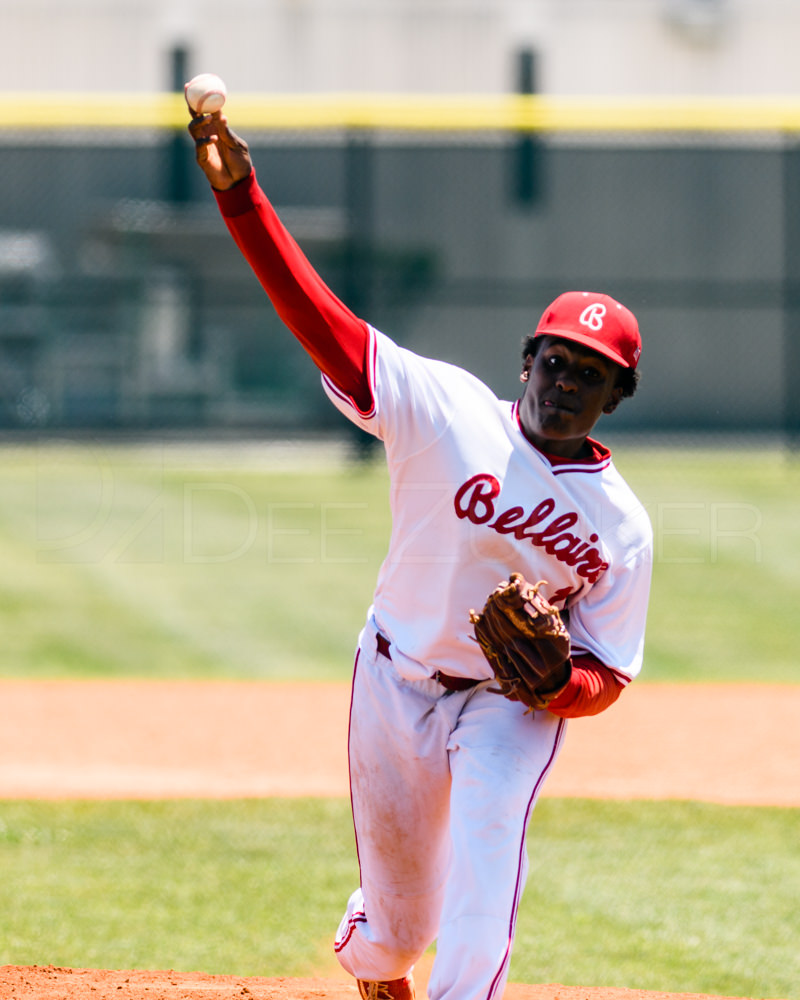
(446, 680)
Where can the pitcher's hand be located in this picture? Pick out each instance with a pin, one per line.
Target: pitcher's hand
(223, 157)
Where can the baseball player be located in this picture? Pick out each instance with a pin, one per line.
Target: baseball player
(444, 770)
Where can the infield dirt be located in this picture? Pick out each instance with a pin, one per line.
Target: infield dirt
(736, 744)
(92, 984)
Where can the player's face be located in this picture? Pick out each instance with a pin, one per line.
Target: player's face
(569, 387)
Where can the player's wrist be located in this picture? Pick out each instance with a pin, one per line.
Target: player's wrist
(239, 198)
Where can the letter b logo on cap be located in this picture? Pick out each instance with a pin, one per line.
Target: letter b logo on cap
(592, 316)
(597, 321)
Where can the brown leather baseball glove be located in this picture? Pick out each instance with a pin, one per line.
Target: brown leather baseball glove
(525, 641)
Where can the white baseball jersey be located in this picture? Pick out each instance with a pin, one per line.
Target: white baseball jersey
(473, 500)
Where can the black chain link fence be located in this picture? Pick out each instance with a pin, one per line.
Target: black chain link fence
(125, 306)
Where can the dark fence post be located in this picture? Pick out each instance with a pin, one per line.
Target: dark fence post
(791, 294)
(360, 222)
(178, 151)
(358, 290)
(527, 184)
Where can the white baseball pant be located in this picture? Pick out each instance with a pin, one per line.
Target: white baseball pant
(443, 785)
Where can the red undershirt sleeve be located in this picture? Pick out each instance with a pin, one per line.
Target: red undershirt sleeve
(333, 336)
(592, 688)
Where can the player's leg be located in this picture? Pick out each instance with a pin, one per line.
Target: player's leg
(500, 758)
(400, 788)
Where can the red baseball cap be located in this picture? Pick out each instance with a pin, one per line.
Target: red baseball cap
(598, 322)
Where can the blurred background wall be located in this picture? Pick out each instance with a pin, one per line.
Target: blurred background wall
(455, 46)
(124, 306)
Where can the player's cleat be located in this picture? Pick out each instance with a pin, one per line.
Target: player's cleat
(390, 989)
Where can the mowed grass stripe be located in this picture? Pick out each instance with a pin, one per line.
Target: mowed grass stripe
(671, 896)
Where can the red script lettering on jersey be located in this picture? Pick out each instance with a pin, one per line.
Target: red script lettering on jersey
(475, 501)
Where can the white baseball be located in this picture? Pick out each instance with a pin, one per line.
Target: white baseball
(206, 93)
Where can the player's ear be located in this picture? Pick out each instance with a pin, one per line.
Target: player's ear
(527, 364)
(614, 399)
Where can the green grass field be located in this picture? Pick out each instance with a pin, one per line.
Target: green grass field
(148, 562)
(663, 896)
(126, 562)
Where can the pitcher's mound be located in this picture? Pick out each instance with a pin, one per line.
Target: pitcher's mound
(50, 983)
